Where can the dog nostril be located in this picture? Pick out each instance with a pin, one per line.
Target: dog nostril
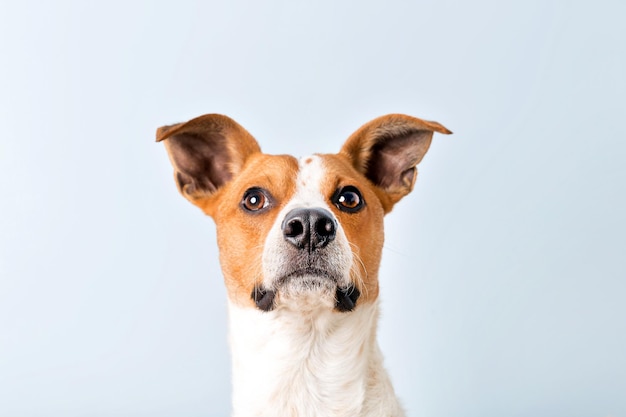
(325, 227)
(293, 228)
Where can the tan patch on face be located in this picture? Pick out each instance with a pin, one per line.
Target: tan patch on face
(364, 229)
(241, 234)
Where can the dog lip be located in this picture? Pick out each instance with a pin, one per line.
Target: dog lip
(263, 298)
(346, 298)
(298, 273)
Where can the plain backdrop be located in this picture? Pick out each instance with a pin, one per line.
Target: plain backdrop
(504, 272)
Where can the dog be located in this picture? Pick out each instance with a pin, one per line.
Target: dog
(300, 244)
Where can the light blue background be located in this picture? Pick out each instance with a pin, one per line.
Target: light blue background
(504, 273)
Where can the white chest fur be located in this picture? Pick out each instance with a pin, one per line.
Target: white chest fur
(325, 363)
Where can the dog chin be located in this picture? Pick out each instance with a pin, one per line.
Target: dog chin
(302, 290)
(306, 291)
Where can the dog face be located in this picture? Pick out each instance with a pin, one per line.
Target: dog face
(298, 234)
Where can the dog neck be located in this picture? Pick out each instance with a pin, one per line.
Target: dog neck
(311, 363)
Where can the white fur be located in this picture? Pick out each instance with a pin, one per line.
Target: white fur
(304, 358)
(321, 364)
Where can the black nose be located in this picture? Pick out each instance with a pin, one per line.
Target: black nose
(309, 229)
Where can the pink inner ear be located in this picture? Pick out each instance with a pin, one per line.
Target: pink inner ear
(201, 162)
(392, 160)
(408, 177)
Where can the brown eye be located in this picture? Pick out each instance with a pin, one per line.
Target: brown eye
(254, 200)
(348, 199)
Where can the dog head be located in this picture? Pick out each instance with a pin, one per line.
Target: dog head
(298, 233)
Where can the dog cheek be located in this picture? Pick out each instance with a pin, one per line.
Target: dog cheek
(240, 251)
(366, 236)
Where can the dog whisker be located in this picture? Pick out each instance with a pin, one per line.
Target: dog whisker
(395, 250)
(355, 274)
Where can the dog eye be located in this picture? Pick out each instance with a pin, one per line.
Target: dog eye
(348, 199)
(254, 200)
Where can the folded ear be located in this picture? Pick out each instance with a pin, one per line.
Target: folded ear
(206, 153)
(387, 150)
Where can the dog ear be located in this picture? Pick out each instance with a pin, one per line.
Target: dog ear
(387, 149)
(206, 153)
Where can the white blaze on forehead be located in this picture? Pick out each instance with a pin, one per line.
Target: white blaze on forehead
(308, 183)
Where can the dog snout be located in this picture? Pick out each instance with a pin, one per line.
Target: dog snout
(309, 229)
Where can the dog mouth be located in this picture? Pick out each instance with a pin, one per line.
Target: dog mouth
(305, 276)
(306, 281)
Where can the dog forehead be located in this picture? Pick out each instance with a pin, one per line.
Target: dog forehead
(311, 175)
(319, 175)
